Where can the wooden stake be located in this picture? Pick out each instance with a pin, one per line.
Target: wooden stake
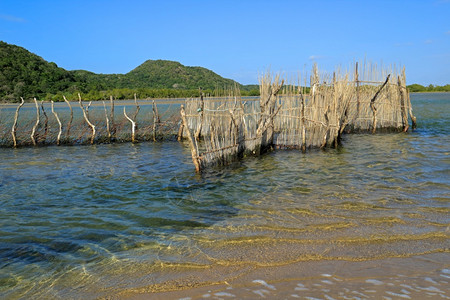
(403, 106)
(156, 119)
(33, 132)
(302, 121)
(113, 125)
(180, 131)
(14, 127)
(336, 118)
(413, 118)
(358, 104)
(238, 140)
(107, 122)
(372, 104)
(87, 119)
(60, 125)
(133, 125)
(46, 121)
(327, 129)
(69, 124)
(194, 154)
(137, 108)
(202, 108)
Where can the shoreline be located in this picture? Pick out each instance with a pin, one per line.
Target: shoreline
(100, 102)
(413, 276)
(147, 101)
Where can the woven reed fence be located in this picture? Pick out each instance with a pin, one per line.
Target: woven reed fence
(221, 130)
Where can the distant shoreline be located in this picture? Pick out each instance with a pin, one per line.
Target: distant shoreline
(147, 101)
(428, 92)
(119, 102)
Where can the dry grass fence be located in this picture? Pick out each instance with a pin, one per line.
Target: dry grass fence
(221, 130)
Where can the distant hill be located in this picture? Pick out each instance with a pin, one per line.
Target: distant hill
(27, 75)
(24, 74)
(170, 74)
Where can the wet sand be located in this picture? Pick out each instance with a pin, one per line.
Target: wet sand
(419, 277)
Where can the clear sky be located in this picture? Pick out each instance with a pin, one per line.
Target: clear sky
(236, 39)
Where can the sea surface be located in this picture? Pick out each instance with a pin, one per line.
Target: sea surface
(367, 220)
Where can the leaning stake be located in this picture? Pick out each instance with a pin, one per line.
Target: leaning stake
(87, 119)
(195, 159)
(107, 122)
(33, 132)
(69, 124)
(14, 127)
(46, 121)
(60, 125)
(133, 125)
(372, 105)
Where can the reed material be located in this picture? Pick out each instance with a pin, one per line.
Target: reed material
(283, 117)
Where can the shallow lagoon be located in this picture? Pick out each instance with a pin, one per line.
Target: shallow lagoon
(121, 220)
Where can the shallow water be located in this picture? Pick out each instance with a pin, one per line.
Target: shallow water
(104, 220)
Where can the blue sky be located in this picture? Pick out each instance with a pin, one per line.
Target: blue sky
(236, 39)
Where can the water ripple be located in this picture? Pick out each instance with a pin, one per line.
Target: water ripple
(85, 220)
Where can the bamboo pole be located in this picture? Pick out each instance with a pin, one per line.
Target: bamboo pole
(69, 124)
(87, 119)
(60, 125)
(14, 127)
(33, 131)
(194, 154)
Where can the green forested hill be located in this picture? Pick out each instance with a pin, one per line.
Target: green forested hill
(170, 74)
(27, 75)
(24, 74)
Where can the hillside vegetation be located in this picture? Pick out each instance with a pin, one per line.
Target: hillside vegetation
(27, 75)
(430, 88)
(24, 74)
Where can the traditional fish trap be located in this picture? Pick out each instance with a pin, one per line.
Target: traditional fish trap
(381, 102)
(221, 130)
(45, 124)
(314, 121)
(227, 128)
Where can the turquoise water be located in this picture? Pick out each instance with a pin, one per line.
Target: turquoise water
(91, 221)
